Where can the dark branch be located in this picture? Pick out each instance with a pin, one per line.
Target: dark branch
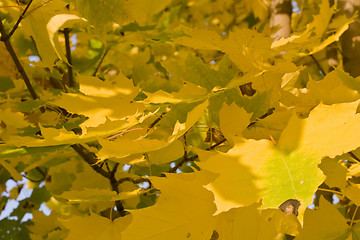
(33, 180)
(179, 164)
(18, 21)
(44, 174)
(101, 61)
(68, 56)
(115, 187)
(193, 158)
(107, 167)
(91, 159)
(157, 120)
(135, 181)
(318, 65)
(354, 156)
(10, 49)
(114, 169)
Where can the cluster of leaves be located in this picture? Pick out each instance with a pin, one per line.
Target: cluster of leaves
(171, 119)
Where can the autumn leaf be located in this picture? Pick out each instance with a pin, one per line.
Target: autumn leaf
(95, 227)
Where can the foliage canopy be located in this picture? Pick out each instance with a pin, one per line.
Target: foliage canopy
(171, 119)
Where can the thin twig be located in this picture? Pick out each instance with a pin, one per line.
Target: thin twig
(119, 206)
(135, 181)
(39, 6)
(193, 158)
(101, 61)
(157, 120)
(90, 158)
(107, 166)
(10, 49)
(19, 5)
(41, 172)
(318, 65)
(330, 190)
(68, 56)
(19, 20)
(115, 168)
(353, 217)
(183, 160)
(35, 181)
(354, 156)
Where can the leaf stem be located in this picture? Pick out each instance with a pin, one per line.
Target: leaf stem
(353, 217)
(318, 65)
(135, 181)
(330, 190)
(6, 39)
(354, 156)
(101, 61)
(68, 56)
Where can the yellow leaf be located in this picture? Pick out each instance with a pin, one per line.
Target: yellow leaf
(324, 223)
(200, 39)
(184, 210)
(332, 89)
(237, 170)
(15, 174)
(56, 23)
(284, 223)
(247, 48)
(11, 121)
(43, 224)
(244, 223)
(334, 171)
(35, 25)
(352, 191)
(233, 121)
(170, 153)
(269, 127)
(95, 227)
(328, 131)
(104, 100)
(188, 93)
(124, 146)
(7, 66)
(192, 117)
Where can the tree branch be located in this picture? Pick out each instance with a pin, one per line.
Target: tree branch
(68, 56)
(318, 65)
(193, 158)
(10, 49)
(101, 61)
(135, 181)
(18, 21)
(157, 120)
(354, 156)
(90, 158)
(115, 168)
(115, 187)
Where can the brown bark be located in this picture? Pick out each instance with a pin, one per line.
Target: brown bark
(280, 18)
(350, 40)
